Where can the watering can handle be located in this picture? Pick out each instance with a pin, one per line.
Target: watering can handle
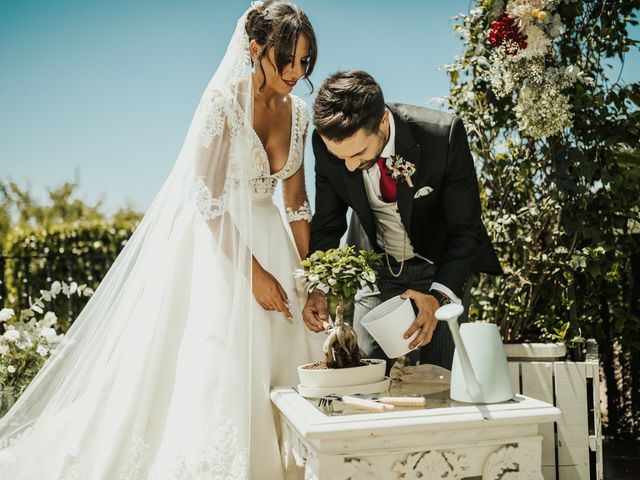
(449, 313)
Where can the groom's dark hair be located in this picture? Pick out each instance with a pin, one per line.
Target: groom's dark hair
(347, 102)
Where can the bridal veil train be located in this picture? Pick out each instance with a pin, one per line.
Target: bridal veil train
(153, 379)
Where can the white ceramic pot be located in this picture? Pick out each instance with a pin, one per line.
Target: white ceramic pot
(343, 377)
(387, 323)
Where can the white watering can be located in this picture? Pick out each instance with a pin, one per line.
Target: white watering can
(479, 373)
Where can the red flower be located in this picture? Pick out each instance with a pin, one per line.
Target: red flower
(505, 32)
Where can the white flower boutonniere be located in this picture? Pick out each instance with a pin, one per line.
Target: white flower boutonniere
(401, 170)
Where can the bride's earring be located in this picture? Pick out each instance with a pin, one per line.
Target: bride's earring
(255, 62)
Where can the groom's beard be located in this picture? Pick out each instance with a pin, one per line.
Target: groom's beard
(368, 164)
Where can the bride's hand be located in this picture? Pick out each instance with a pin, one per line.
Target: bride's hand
(268, 291)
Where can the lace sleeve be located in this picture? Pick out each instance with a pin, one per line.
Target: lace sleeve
(214, 157)
(208, 206)
(295, 193)
(302, 213)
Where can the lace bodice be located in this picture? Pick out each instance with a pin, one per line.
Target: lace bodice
(232, 152)
(263, 181)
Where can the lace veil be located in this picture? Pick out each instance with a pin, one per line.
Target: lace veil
(185, 271)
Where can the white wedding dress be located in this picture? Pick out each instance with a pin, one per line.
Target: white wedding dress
(286, 343)
(159, 395)
(166, 372)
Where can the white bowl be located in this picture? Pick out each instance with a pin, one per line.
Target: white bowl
(318, 392)
(343, 377)
(388, 322)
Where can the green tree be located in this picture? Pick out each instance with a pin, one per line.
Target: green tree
(20, 210)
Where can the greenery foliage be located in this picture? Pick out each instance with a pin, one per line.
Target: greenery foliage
(341, 271)
(64, 238)
(31, 337)
(19, 209)
(561, 202)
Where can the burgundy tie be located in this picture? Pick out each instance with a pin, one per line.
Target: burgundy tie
(387, 185)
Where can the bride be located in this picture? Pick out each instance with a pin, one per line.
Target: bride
(165, 374)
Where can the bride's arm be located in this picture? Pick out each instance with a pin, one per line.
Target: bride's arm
(219, 197)
(298, 211)
(224, 200)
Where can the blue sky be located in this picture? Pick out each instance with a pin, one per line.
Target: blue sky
(104, 91)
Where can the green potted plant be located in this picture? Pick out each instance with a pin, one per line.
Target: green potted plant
(340, 273)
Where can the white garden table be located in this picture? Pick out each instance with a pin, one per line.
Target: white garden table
(444, 440)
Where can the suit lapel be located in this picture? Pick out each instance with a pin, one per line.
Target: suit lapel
(355, 187)
(408, 149)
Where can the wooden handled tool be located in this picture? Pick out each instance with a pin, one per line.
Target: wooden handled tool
(404, 401)
(366, 404)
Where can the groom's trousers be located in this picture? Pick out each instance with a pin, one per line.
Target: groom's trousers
(416, 275)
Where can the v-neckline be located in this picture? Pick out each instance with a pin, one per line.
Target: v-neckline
(264, 150)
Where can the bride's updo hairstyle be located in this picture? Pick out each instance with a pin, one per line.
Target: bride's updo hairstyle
(279, 25)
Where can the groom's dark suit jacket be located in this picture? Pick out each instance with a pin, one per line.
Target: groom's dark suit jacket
(444, 226)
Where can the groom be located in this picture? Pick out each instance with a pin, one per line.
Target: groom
(423, 213)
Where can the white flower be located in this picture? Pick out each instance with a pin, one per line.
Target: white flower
(538, 43)
(574, 74)
(56, 288)
(4, 349)
(42, 350)
(50, 318)
(507, 72)
(11, 335)
(556, 27)
(523, 11)
(11, 369)
(545, 112)
(469, 96)
(6, 314)
(49, 334)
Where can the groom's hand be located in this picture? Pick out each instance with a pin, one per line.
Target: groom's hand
(315, 311)
(425, 320)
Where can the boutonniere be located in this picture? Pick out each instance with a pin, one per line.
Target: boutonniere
(401, 169)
